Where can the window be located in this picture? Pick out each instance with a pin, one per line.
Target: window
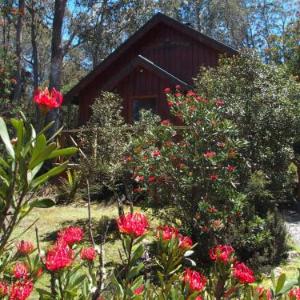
(140, 104)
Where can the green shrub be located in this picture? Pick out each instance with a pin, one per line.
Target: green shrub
(263, 101)
(193, 171)
(104, 140)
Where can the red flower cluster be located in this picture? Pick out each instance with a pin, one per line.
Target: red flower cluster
(25, 247)
(3, 289)
(242, 273)
(59, 256)
(212, 210)
(220, 102)
(191, 94)
(294, 294)
(167, 90)
(70, 235)
(151, 179)
(230, 168)
(20, 270)
(88, 254)
(221, 253)
(139, 178)
(213, 177)
(209, 154)
(139, 290)
(155, 153)
(167, 232)
(48, 100)
(185, 242)
(165, 122)
(21, 290)
(195, 280)
(135, 224)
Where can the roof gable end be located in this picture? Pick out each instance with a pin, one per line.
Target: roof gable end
(159, 18)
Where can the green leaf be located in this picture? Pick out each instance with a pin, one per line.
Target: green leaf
(288, 285)
(117, 285)
(5, 138)
(280, 283)
(51, 173)
(41, 153)
(137, 253)
(63, 152)
(19, 126)
(135, 271)
(42, 203)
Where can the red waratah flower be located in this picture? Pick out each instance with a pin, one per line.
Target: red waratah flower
(165, 122)
(212, 210)
(191, 93)
(195, 280)
(48, 100)
(25, 247)
(221, 253)
(198, 298)
(170, 103)
(213, 177)
(178, 87)
(178, 95)
(185, 242)
(167, 90)
(139, 178)
(294, 294)
(20, 270)
(242, 273)
(151, 179)
(71, 235)
(21, 290)
(167, 232)
(230, 168)
(219, 103)
(139, 290)
(209, 154)
(88, 254)
(135, 224)
(59, 256)
(155, 153)
(3, 288)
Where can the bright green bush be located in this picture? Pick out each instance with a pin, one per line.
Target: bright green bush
(22, 157)
(194, 172)
(263, 102)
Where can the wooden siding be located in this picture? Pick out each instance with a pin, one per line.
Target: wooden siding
(175, 52)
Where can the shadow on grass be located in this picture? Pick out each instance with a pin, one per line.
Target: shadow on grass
(104, 229)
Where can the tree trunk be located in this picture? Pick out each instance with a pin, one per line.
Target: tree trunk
(56, 59)
(35, 60)
(18, 87)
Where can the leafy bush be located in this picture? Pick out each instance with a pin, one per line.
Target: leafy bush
(21, 161)
(104, 140)
(193, 171)
(263, 101)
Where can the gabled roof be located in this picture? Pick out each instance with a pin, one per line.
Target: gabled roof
(141, 61)
(159, 18)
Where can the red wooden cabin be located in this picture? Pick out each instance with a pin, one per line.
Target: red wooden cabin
(162, 53)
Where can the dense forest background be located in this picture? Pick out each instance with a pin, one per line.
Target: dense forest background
(56, 42)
